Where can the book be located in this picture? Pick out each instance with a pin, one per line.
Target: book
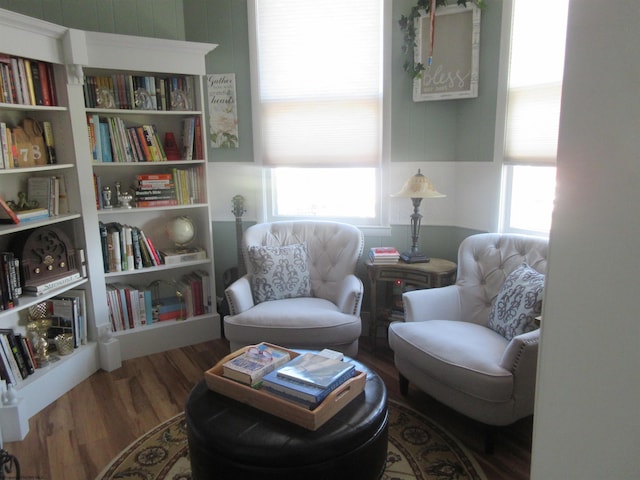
(7, 215)
(252, 365)
(15, 350)
(40, 190)
(49, 143)
(64, 315)
(32, 214)
(181, 255)
(57, 283)
(308, 396)
(317, 370)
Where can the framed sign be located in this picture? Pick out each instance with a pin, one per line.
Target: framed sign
(455, 49)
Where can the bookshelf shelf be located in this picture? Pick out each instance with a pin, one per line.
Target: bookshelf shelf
(115, 112)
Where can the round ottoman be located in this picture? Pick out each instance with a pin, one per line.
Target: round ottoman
(229, 440)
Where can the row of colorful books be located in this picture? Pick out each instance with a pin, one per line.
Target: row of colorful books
(112, 141)
(26, 82)
(20, 148)
(126, 247)
(305, 380)
(18, 357)
(132, 307)
(139, 92)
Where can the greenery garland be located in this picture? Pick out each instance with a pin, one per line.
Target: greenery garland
(408, 27)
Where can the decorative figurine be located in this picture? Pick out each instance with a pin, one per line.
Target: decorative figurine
(106, 198)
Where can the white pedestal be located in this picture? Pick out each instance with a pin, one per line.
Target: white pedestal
(110, 357)
(14, 422)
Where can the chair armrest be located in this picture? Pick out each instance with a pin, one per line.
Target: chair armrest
(521, 359)
(432, 304)
(350, 294)
(239, 295)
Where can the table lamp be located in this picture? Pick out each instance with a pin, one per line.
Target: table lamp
(417, 188)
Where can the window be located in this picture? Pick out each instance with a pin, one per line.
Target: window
(536, 66)
(318, 106)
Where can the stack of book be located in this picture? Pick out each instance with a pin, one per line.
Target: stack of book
(257, 361)
(155, 190)
(384, 255)
(309, 378)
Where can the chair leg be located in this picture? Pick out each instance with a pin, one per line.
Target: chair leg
(404, 385)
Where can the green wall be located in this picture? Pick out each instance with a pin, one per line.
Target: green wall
(147, 18)
(453, 130)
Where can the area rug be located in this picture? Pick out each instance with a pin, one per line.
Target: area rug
(418, 449)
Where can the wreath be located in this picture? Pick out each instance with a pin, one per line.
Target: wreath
(408, 26)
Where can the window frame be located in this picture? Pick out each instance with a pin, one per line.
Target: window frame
(266, 211)
(507, 171)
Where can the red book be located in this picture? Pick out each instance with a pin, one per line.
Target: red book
(155, 176)
(6, 214)
(385, 251)
(45, 83)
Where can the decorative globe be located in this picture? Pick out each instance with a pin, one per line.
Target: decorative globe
(181, 230)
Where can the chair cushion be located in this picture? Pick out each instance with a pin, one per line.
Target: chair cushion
(518, 303)
(279, 272)
(294, 322)
(462, 355)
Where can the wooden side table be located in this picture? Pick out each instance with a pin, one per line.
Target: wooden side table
(435, 273)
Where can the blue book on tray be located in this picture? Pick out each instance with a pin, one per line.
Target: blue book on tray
(316, 370)
(306, 395)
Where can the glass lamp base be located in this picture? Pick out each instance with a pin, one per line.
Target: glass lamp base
(414, 257)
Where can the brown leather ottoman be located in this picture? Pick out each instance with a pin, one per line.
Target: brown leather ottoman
(229, 440)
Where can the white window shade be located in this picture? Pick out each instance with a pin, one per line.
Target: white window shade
(533, 117)
(535, 81)
(319, 82)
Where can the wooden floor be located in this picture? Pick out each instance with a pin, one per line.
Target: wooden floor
(75, 437)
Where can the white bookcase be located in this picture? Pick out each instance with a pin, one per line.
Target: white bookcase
(75, 54)
(110, 54)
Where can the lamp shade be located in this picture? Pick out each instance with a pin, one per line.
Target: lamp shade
(418, 186)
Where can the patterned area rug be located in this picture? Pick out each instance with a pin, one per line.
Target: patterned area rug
(418, 449)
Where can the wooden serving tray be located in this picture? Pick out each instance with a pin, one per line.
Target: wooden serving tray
(267, 402)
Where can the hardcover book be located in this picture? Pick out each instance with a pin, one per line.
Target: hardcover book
(251, 366)
(303, 394)
(317, 370)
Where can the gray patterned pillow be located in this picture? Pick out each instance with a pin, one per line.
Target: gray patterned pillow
(279, 272)
(518, 303)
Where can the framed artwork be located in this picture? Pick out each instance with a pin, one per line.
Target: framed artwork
(223, 114)
(453, 72)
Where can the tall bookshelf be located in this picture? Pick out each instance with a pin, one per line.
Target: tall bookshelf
(39, 41)
(76, 55)
(123, 58)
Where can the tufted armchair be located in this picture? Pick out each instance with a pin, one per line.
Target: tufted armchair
(326, 315)
(446, 347)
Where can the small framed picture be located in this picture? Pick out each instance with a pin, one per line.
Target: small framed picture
(451, 56)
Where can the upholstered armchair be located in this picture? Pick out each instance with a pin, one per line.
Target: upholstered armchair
(300, 290)
(474, 345)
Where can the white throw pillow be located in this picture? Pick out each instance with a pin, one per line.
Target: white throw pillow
(279, 272)
(518, 303)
